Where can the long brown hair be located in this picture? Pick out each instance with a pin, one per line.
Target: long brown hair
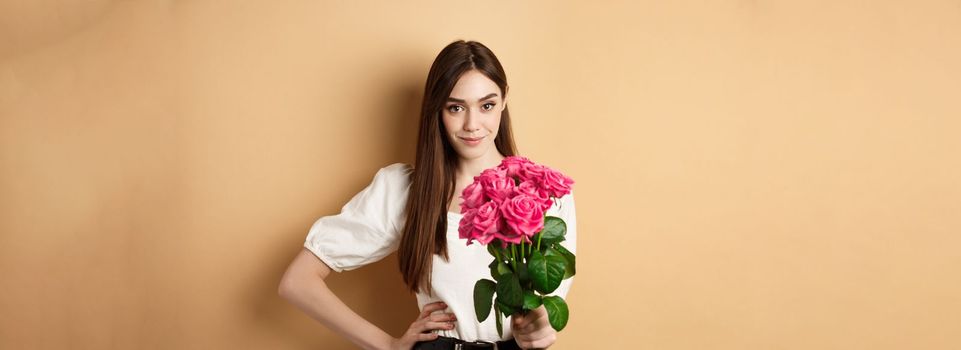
(433, 180)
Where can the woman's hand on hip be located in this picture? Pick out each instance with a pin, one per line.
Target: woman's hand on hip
(421, 329)
(533, 331)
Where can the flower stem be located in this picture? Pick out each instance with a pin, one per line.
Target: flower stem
(514, 257)
(523, 252)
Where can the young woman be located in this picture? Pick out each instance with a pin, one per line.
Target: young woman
(464, 129)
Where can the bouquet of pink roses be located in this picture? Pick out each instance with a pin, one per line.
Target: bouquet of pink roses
(505, 208)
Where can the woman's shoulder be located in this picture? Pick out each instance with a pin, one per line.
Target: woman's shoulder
(398, 167)
(397, 170)
(395, 175)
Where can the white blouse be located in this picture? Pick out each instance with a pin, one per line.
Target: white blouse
(370, 225)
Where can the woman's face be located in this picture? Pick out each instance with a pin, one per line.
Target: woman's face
(472, 115)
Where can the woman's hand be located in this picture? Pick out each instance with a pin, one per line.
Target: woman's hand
(533, 331)
(421, 329)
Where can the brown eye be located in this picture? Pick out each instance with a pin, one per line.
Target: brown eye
(491, 104)
(452, 107)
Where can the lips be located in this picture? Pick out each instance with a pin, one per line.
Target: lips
(471, 139)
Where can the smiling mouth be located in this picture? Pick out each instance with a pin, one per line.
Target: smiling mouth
(469, 139)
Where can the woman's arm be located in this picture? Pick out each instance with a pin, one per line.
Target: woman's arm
(303, 285)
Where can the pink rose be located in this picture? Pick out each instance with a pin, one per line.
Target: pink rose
(535, 173)
(524, 217)
(508, 202)
(540, 195)
(465, 228)
(482, 224)
(557, 184)
(487, 221)
(472, 196)
(497, 185)
(515, 165)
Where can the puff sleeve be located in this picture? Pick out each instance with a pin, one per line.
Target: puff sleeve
(566, 211)
(368, 227)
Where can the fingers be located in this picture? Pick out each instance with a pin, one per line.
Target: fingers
(524, 322)
(431, 325)
(536, 333)
(533, 330)
(443, 320)
(442, 317)
(539, 343)
(435, 321)
(427, 336)
(429, 308)
(521, 322)
(429, 320)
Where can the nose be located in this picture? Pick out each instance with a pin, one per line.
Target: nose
(472, 123)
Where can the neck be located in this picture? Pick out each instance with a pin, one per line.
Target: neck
(468, 168)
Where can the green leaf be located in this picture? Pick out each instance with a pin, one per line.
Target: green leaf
(546, 271)
(550, 251)
(492, 249)
(503, 268)
(483, 298)
(503, 308)
(554, 230)
(531, 300)
(509, 290)
(498, 268)
(546, 243)
(570, 269)
(557, 313)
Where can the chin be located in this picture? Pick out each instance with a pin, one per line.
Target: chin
(472, 152)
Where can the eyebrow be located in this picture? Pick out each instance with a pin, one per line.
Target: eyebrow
(451, 99)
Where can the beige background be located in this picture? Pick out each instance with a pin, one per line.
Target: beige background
(750, 174)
